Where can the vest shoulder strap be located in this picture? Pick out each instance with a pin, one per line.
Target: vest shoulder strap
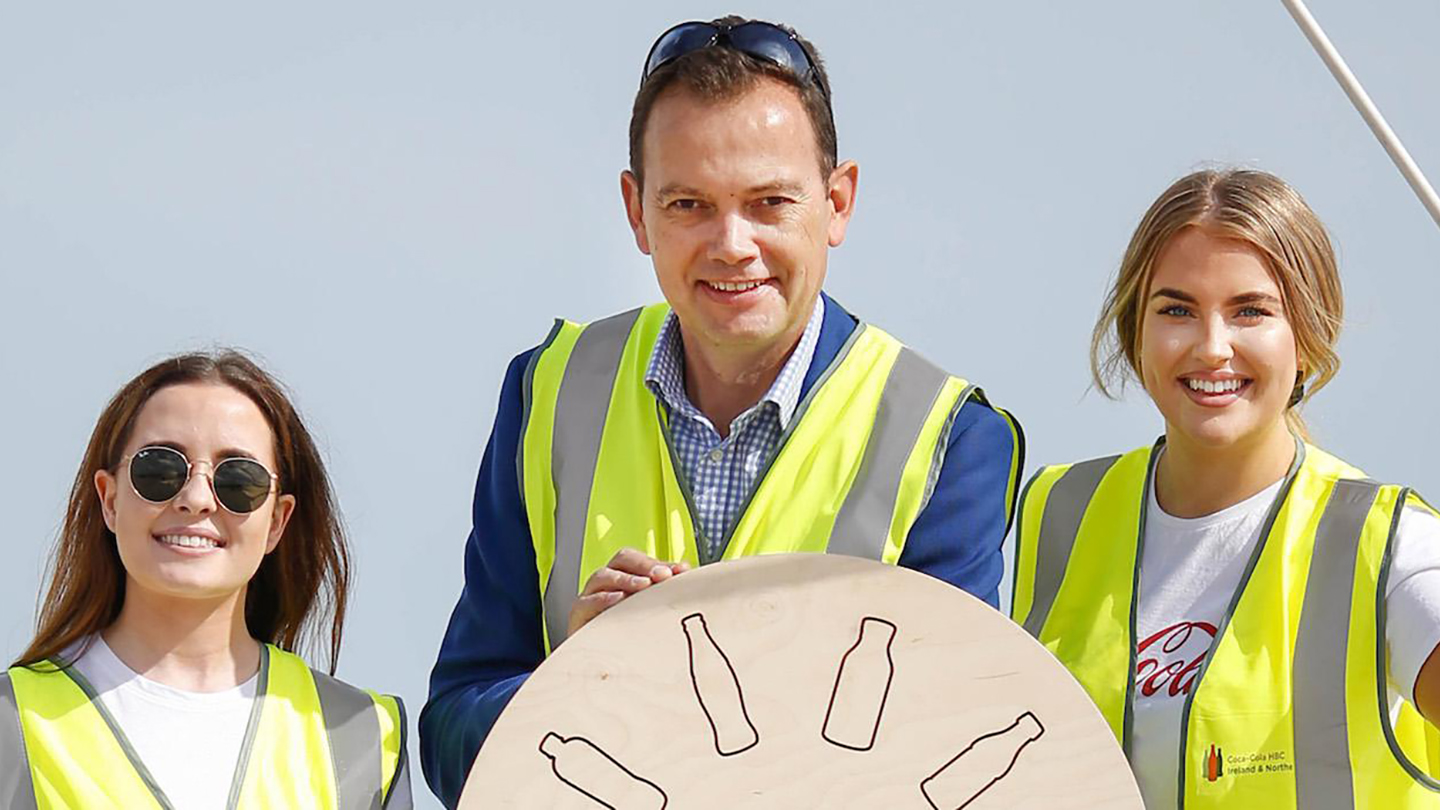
(582, 403)
(914, 385)
(356, 743)
(16, 789)
(1062, 510)
(1322, 647)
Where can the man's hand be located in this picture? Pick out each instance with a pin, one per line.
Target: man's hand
(628, 572)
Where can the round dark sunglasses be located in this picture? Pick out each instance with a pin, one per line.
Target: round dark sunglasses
(158, 473)
(761, 40)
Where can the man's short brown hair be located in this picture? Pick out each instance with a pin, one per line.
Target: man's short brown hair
(720, 73)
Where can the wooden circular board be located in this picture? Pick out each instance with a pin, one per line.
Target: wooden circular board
(800, 681)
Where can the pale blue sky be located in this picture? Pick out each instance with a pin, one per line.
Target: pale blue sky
(387, 201)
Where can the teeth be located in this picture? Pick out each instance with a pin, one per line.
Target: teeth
(738, 286)
(1220, 387)
(188, 541)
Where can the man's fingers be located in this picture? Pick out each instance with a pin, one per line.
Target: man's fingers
(588, 607)
(629, 571)
(610, 579)
(635, 562)
(596, 603)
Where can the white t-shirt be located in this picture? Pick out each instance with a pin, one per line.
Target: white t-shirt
(189, 741)
(1189, 571)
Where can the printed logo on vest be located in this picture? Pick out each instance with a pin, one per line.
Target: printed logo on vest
(1215, 763)
(1169, 660)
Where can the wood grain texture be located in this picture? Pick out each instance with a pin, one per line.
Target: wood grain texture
(961, 671)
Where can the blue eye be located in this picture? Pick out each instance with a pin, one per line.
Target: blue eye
(1178, 310)
(1253, 312)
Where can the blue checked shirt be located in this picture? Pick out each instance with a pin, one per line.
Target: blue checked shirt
(721, 472)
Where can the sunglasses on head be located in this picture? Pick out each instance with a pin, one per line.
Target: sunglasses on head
(761, 40)
(158, 473)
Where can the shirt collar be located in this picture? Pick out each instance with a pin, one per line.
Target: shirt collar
(665, 374)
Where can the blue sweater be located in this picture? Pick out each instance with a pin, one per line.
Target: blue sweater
(495, 639)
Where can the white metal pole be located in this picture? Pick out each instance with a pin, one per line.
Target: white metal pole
(1367, 108)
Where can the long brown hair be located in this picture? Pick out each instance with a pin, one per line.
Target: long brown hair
(301, 586)
(1251, 206)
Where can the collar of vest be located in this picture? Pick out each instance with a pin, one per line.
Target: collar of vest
(599, 473)
(73, 752)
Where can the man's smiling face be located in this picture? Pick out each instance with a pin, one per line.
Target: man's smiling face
(736, 214)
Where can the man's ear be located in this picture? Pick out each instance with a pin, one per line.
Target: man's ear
(635, 209)
(842, 187)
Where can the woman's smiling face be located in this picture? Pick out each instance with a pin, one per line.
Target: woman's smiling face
(190, 546)
(1217, 354)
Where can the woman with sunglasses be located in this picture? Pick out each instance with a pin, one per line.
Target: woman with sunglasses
(201, 547)
(1255, 618)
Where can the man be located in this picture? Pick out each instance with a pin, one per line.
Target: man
(751, 415)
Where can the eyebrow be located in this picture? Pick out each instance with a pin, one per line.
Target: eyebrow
(677, 190)
(235, 452)
(1171, 292)
(787, 187)
(1255, 298)
(228, 452)
(1242, 298)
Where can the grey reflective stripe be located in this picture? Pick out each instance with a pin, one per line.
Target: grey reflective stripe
(863, 524)
(16, 790)
(1059, 524)
(580, 410)
(354, 732)
(1322, 745)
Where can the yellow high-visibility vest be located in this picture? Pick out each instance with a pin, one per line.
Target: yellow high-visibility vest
(1290, 710)
(312, 742)
(854, 469)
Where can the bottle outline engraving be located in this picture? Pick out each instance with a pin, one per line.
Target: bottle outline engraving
(637, 793)
(844, 728)
(729, 719)
(942, 796)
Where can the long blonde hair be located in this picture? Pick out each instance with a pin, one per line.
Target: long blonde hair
(1251, 206)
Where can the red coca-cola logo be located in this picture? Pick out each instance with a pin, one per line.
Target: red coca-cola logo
(1171, 658)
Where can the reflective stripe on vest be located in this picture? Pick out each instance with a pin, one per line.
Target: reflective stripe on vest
(1290, 706)
(580, 412)
(887, 409)
(15, 788)
(1322, 745)
(354, 734)
(62, 724)
(911, 391)
(1059, 525)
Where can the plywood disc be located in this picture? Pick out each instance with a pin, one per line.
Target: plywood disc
(800, 681)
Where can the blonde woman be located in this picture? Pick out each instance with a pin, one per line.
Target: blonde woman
(1255, 618)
